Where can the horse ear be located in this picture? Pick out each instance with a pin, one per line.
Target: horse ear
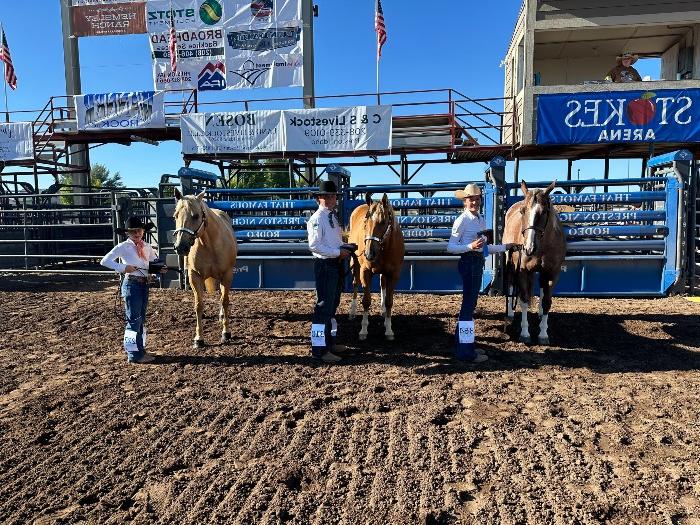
(201, 195)
(178, 195)
(385, 201)
(550, 187)
(523, 187)
(368, 199)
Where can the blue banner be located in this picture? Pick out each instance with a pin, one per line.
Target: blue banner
(664, 115)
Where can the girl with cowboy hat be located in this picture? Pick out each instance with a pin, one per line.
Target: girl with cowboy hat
(135, 255)
(326, 245)
(469, 239)
(623, 71)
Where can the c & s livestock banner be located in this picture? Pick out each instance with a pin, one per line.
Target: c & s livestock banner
(16, 141)
(130, 110)
(663, 115)
(366, 128)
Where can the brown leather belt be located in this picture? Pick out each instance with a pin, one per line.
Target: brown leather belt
(137, 279)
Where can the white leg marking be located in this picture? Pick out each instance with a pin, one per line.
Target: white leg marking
(382, 295)
(388, 332)
(510, 313)
(364, 325)
(543, 337)
(524, 328)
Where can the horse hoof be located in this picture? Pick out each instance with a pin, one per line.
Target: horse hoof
(225, 337)
(543, 340)
(198, 343)
(524, 339)
(363, 337)
(389, 337)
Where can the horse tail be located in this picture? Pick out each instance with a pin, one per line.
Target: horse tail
(211, 284)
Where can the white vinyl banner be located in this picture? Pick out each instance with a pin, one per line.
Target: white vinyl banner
(124, 110)
(244, 132)
(365, 128)
(77, 3)
(261, 13)
(16, 141)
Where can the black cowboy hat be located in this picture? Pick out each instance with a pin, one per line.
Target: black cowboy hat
(135, 223)
(327, 187)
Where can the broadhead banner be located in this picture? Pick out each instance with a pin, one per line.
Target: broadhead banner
(124, 110)
(16, 141)
(227, 44)
(361, 128)
(108, 17)
(664, 115)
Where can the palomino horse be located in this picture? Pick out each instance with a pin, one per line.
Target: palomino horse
(375, 230)
(205, 237)
(534, 224)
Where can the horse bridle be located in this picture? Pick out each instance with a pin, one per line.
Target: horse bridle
(390, 220)
(194, 232)
(538, 230)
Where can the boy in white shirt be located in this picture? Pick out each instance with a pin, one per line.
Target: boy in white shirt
(325, 243)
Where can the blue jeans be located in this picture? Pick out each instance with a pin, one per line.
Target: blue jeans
(135, 296)
(329, 286)
(471, 268)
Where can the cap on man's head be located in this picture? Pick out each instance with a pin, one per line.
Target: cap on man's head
(623, 56)
(470, 190)
(327, 187)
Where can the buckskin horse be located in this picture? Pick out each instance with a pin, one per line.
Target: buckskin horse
(534, 224)
(206, 238)
(375, 230)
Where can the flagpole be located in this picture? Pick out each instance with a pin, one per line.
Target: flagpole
(378, 100)
(4, 73)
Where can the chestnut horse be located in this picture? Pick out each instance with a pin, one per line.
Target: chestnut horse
(534, 224)
(205, 237)
(375, 230)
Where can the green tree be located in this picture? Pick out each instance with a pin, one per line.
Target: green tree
(261, 174)
(100, 177)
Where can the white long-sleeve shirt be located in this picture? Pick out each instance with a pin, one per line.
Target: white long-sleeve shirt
(464, 232)
(126, 252)
(325, 238)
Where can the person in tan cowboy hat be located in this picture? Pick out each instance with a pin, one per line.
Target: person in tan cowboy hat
(470, 239)
(623, 71)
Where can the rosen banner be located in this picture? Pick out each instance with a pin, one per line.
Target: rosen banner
(619, 116)
(16, 141)
(131, 110)
(109, 18)
(366, 128)
(244, 132)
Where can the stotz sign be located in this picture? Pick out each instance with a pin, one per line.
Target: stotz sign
(619, 117)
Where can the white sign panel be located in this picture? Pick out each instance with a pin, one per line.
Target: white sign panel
(186, 14)
(366, 128)
(264, 70)
(124, 110)
(244, 132)
(16, 141)
(261, 13)
(77, 3)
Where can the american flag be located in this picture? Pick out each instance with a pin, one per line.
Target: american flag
(10, 76)
(379, 27)
(172, 41)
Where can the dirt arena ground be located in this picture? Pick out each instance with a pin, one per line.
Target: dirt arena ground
(600, 427)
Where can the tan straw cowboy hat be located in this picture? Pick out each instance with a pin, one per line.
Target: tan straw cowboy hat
(634, 58)
(470, 190)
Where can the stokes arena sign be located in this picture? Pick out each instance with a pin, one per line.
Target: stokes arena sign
(619, 116)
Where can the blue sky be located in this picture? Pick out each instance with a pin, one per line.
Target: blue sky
(431, 45)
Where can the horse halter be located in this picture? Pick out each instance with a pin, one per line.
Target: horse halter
(384, 236)
(194, 232)
(539, 231)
